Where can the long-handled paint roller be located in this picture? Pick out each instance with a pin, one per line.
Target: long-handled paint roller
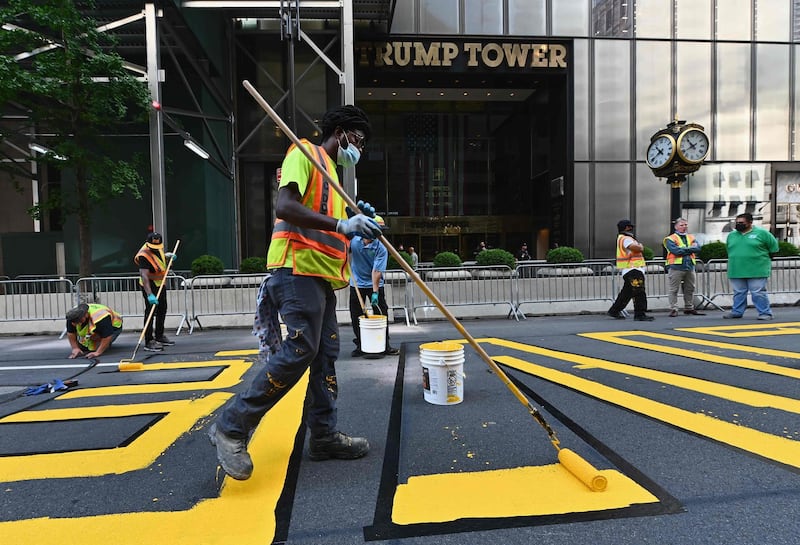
(129, 364)
(576, 465)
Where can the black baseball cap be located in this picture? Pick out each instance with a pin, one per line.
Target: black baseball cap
(623, 224)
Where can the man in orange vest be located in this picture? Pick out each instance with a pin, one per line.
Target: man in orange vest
(152, 263)
(681, 250)
(630, 262)
(307, 260)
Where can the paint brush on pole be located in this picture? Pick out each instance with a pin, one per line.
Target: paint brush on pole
(570, 460)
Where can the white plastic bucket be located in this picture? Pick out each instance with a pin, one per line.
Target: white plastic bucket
(373, 334)
(442, 372)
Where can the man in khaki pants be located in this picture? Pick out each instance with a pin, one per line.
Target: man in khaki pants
(681, 251)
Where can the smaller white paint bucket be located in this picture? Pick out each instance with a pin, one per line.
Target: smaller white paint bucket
(373, 333)
(442, 372)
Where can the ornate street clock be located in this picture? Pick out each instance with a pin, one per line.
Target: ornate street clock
(677, 150)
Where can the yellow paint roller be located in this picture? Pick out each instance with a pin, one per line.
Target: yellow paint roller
(582, 470)
(129, 364)
(571, 457)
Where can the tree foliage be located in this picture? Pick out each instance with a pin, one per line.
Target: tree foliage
(74, 92)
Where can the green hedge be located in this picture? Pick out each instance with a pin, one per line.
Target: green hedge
(253, 265)
(564, 254)
(446, 259)
(207, 264)
(496, 256)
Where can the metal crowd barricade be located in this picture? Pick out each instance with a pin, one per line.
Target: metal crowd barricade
(218, 295)
(715, 274)
(124, 296)
(539, 283)
(398, 294)
(482, 287)
(36, 299)
(785, 277)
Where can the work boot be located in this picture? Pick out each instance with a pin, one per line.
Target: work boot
(693, 312)
(356, 353)
(164, 340)
(231, 454)
(153, 346)
(337, 445)
(391, 351)
(643, 318)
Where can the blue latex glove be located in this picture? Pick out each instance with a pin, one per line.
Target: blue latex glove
(364, 207)
(359, 225)
(374, 298)
(170, 255)
(152, 299)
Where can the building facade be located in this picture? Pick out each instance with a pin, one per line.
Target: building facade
(510, 121)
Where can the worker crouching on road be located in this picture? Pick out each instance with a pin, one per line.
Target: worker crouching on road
(91, 329)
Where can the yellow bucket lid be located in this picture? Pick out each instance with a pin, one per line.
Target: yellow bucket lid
(442, 346)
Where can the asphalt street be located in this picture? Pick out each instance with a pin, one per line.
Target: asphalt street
(694, 420)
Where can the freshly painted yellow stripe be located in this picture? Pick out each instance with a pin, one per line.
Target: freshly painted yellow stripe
(749, 330)
(745, 363)
(230, 376)
(503, 493)
(769, 446)
(179, 417)
(244, 512)
(235, 353)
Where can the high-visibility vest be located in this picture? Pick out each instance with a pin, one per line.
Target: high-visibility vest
(628, 259)
(156, 259)
(85, 331)
(314, 252)
(676, 238)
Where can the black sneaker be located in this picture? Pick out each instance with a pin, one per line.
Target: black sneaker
(153, 346)
(643, 318)
(337, 445)
(164, 340)
(357, 353)
(616, 315)
(391, 351)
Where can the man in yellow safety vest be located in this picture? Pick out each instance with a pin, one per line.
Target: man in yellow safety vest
(91, 329)
(307, 260)
(681, 250)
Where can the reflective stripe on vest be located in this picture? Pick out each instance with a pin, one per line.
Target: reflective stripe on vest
(628, 259)
(159, 266)
(314, 252)
(96, 313)
(676, 238)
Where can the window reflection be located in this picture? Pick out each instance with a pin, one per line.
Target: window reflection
(611, 17)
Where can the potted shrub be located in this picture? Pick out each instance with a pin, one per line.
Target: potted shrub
(713, 250)
(392, 263)
(564, 255)
(786, 249)
(253, 265)
(495, 256)
(208, 265)
(447, 259)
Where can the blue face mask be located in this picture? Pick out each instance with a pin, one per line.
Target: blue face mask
(349, 156)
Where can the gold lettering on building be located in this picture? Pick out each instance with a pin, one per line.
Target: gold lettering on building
(476, 54)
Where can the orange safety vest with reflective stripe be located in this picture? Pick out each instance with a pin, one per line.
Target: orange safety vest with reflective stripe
(676, 238)
(313, 252)
(628, 259)
(84, 332)
(156, 260)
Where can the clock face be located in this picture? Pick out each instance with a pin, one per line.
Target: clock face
(661, 151)
(693, 146)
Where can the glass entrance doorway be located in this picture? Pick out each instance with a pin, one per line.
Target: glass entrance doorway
(448, 174)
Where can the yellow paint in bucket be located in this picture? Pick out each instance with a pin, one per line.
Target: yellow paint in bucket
(442, 372)
(373, 333)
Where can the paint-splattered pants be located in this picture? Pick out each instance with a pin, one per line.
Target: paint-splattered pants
(307, 306)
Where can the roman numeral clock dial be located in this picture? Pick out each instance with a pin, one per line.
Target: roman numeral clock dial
(693, 146)
(661, 151)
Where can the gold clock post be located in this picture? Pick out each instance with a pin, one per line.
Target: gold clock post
(675, 152)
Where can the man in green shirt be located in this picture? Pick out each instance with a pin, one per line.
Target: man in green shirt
(749, 266)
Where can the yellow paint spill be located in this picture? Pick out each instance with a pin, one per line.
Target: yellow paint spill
(235, 353)
(517, 492)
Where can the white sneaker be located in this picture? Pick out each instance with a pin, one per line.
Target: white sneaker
(765, 316)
